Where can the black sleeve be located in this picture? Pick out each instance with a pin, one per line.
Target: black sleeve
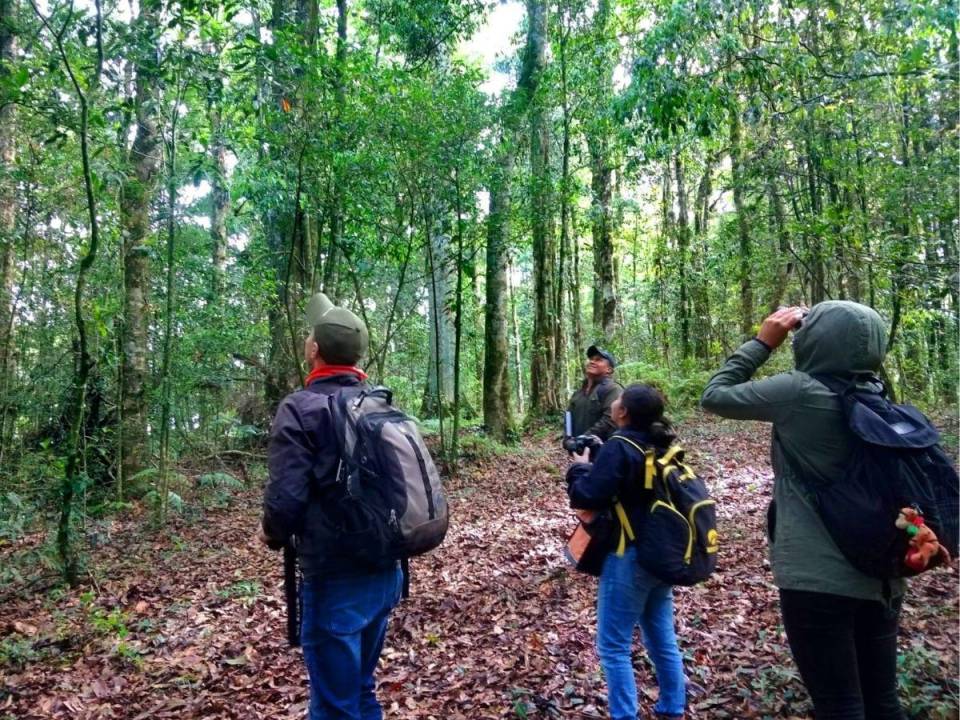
(593, 487)
(292, 456)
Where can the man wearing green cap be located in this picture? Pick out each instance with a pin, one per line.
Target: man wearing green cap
(590, 405)
(345, 605)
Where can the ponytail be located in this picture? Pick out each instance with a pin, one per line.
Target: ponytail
(644, 405)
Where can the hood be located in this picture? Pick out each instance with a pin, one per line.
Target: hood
(840, 337)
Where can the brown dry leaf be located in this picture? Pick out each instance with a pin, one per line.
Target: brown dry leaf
(496, 625)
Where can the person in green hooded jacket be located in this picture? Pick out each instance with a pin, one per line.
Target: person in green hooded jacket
(841, 624)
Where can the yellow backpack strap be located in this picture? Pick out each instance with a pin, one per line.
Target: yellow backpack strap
(650, 471)
(626, 529)
(628, 441)
(649, 455)
(669, 455)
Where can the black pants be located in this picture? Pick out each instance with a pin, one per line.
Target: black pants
(846, 651)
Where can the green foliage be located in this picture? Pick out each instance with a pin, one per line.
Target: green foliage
(364, 169)
(15, 516)
(479, 446)
(682, 390)
(244, 591)
(921, 683)
(17, 652)
(406, 394)
(175, 502)
(218, 488)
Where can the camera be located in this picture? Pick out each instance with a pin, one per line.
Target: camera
(577, 443)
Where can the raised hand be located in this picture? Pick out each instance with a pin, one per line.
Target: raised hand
(774, 329)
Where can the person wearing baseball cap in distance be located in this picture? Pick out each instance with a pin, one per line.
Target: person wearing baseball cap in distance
(345, 604)
(590, 405)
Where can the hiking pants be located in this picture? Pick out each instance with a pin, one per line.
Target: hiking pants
(344, 625)
(846, 651)
(629, 596)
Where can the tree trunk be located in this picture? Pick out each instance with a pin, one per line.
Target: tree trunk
(701, 294)
(281, 226)
(785, 265)
(601, 183)
(517, 346)
(331, 267)
(497, 413)
(74, 475)
(438, 395)
(543, 357)
(683, 245)
(574, 291)
(743, 227)
(604, 289)
(457, 324)
(136, 196)
(563, 271)
(166, 390)
(8, 215)
(662, 326)
(219, 204)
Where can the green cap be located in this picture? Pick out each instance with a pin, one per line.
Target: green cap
(340, 335)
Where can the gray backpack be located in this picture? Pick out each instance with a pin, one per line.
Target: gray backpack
(391, 505)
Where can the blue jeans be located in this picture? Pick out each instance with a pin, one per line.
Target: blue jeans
(628, 595)
(343, 627)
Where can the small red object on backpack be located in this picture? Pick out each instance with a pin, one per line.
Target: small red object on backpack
(924, 549)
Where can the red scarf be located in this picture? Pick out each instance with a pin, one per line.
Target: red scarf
(331, 370)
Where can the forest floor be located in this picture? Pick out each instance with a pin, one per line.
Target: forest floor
(189, 622)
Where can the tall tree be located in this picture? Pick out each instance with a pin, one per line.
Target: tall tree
(544, 375)
(136, 196)
(219, 191)
(440, 266)
(8, 208)
(600, 141)
(73, 478)
(683, 255)
(497, 411)
(743, 227)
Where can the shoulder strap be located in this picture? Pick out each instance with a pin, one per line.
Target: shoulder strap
(649, 469)
(606, 387)
(844, 386)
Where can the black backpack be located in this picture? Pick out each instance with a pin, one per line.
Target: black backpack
(391, 504)
(896, 463)
(677, 541)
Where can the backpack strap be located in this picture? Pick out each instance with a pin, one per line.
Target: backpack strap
(674, 451)
(626, 529)
(843, 386)
(650, 456)
(405, 569)
(607, 387)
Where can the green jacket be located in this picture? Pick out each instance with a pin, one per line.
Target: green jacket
(836, 338)
(591, 410)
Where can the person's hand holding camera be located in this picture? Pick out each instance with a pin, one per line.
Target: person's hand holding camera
(584, 455)
(774, 329)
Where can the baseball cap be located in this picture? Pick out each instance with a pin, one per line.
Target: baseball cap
(341, 336)
(594, 351)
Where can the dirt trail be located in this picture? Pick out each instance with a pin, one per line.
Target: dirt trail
(190, 623)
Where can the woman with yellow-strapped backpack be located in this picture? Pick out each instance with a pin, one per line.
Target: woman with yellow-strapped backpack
(639, 480)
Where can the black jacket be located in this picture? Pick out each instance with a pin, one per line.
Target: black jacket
(303, 462)
(591, 411)
(617, 473)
